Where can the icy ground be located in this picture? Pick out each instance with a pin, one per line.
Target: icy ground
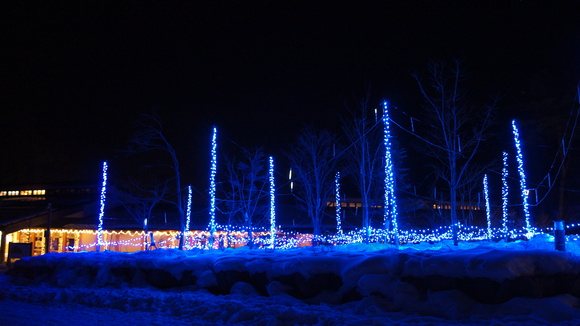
(373, 285)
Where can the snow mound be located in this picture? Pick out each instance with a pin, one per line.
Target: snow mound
(483, 280)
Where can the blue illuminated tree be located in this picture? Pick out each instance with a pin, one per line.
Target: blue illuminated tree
(390, 204)
(504, 194)
(487, 206)
(455, 131)
(272, 183)
(337, 204)
(101, 207)
(212, 188)
(523, 183)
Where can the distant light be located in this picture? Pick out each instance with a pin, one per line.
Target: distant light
(34, 192)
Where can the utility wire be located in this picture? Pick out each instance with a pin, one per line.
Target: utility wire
(564, 146)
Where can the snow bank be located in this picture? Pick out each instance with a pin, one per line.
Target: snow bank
(475, 280)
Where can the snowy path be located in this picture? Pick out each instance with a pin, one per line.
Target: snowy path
(34, 305)
(16, 313)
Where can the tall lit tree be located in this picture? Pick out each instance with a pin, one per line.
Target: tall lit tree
(390, 206)
(212, 188)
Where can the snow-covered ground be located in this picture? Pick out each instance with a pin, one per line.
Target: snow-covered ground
(520, 283)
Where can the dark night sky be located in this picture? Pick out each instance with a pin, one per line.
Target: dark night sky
(75, 74)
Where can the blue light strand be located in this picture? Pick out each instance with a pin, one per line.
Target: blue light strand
(188, 215)
(102, 206)
(289, 239)
(272, 205)
(487, 205)
(522, 173)
(337, 203)
(390, 212)
(212, 186)
(504, 194)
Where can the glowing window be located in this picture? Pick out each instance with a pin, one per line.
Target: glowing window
(39, 192)
(13, 193)
(3, 193)
(25, 192)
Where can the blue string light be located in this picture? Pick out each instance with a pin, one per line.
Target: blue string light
(390, 211)
(212, 186)
(337, 203)
(289, 240)
(504, 194)
(523, 186)
(272, 205)
(188, 215)
(102, 206)
(487, 205)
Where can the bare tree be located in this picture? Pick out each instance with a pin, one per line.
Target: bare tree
(455, 129)
(140, 200)
(247, 188)
(313, 166)
(364, 157)
(148, 137)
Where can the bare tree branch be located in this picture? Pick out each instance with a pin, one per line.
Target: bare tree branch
(456, 138)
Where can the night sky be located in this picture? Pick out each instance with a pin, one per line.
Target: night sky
(75, 74)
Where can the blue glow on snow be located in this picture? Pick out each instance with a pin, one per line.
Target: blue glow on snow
(102, 206)
(504, 194)
(272, 205)
(390, 211)
(337, 203)
(213, 170)
(523, 185)
(487, 205)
